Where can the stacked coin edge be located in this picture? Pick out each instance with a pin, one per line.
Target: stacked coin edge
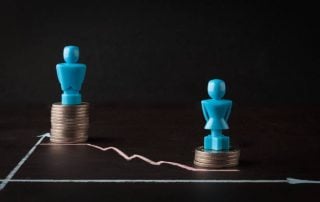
(69, 123)
(216, 159)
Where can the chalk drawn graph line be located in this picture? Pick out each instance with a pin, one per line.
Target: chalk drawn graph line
(169, 181)
(9, 177)
(145, 159)
(12, 173)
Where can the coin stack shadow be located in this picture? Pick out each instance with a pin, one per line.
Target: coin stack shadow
(216, 159)
(69, 123)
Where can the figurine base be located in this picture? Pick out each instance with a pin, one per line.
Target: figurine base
(220, 142)
(216, 159)
(71, 99)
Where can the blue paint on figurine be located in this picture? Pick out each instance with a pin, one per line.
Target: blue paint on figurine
(216, 112)
(71, 75)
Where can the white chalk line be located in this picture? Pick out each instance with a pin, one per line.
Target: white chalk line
(9, 177)
(145, 159)
(164, 181)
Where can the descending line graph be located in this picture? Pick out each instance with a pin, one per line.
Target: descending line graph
(10, 176)
(145, 159)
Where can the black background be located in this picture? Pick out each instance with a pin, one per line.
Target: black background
(145, 54)
(158, 53)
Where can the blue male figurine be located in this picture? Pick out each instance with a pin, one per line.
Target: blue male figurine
(216, 112)
(71, 75)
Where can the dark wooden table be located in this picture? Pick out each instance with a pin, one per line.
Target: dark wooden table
(276, 143)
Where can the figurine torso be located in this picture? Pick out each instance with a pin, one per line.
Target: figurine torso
(71, 76)
(216, 113)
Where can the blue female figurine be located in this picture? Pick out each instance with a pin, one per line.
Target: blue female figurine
(71, 75)
(216, 112)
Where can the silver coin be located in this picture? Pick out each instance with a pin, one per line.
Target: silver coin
(68, 135)
(72, 126)
(71, 112)
(59, 104)
(68, 139)
(74, 120)
(200, 151)
(206, 165)
(69, 115)
(69, 123)
(218, 163)
(69, 109)
(216, 159)
(213, 160)
(217, 155)
(69, 131)
(79, 140)
(64, 109)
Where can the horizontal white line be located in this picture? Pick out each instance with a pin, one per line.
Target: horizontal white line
(155, 181)
(141, 181)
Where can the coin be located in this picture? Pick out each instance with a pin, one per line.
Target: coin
(213, 160)
(206, 165)
(69, 132)
(72, 141)
(59, 104)
(201, 151)
(69, 115)
(216, 159)
(69, 123)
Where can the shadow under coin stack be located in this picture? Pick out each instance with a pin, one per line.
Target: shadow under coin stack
(216, 159)
(69, 123)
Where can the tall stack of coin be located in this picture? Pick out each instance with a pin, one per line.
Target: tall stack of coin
(216, 159)
(69, 123)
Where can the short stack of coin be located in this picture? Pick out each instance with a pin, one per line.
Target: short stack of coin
(69, 123)
(216, 159)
